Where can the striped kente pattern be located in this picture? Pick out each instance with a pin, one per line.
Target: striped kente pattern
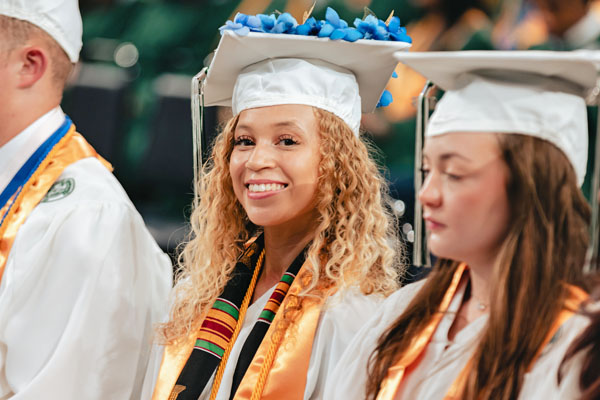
(268, 313)
(217, 328)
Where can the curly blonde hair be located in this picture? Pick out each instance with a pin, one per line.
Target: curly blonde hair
(355, 242)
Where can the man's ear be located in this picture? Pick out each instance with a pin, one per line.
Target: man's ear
(33, 65)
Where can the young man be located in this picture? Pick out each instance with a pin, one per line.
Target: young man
(81, 279)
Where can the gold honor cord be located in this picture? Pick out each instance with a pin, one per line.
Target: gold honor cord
(238, 327)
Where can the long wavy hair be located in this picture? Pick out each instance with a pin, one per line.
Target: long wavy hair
(544, 249)
(355, 242)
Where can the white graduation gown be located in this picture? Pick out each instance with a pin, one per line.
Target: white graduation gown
(343, 315)
(444, 360)
(83, 284)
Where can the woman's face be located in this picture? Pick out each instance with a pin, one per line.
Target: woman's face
(465, 204)
(274, 165)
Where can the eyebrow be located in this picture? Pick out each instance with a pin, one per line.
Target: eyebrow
(448, 156)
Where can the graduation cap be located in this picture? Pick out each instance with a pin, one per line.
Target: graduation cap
(264, 69)
(535, 93)
(58, 18)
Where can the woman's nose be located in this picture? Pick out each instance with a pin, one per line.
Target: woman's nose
(430, 194)
(261, 156)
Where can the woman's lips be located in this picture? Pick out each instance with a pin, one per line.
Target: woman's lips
(257, 190)
(433, 225)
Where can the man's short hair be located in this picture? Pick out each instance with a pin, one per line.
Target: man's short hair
(15, 32)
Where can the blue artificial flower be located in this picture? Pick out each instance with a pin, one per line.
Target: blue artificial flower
(267, 22)
(310, 27)
(397, 32)
(253, 22)
(372, 28)
(284, 23)
(326, 30)
(235, 27)
(385, 99)
(336, 28)
(353, 34)
(242, 24)
(332, 18)
(332, 27)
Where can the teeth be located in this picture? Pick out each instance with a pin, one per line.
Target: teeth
(257, 188)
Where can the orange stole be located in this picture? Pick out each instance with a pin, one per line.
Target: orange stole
(391, 383)
(70, 149)
(286, 376)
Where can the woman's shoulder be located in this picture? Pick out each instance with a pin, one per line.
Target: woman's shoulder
(542, 379)
(352, 309)
(398, 301)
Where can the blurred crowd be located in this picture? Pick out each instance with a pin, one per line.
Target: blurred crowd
(131, 91)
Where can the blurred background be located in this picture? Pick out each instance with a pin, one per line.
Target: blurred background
(130, 95)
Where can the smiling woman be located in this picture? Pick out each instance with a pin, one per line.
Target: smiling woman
(274, 166)
(291, 230)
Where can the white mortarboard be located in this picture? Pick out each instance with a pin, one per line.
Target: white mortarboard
(265, 69)
(58, 18)
(535, 93)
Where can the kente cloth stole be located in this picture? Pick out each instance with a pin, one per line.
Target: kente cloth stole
(412, 356)
(217, 329)
(33, 180)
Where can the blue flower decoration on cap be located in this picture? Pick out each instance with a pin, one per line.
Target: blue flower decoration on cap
(243, 24)
(333, 27)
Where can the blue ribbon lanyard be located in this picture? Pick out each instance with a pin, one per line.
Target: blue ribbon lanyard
(28, 169)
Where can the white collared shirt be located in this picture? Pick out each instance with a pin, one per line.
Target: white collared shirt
(16, 152)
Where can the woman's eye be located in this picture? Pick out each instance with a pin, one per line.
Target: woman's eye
(452, 177)
(424, 172)
(243, 141)
(287, 141)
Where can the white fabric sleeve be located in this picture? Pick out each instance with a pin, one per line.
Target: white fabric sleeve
(156, 356)
(343, 316)
(542, 382)
(348, 379)
(78, 304)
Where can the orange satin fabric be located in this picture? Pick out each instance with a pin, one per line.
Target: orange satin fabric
(390, 384)
(174, 359)
(287, 377)
(70, 149)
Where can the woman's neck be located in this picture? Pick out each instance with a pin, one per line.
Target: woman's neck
(477, 303)
(282, 246)
(480, 276)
